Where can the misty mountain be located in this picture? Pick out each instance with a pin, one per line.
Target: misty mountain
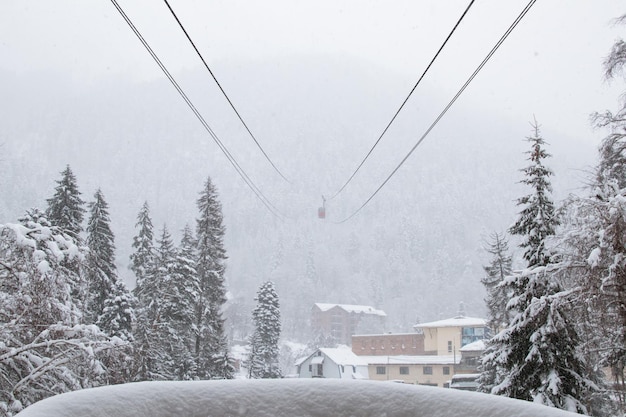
(414, 251)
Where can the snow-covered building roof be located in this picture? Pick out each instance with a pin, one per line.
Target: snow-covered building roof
(458, 321)
(352, 308)
(412, 360)
(343, 356)
(477, 346)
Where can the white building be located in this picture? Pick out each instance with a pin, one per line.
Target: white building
(338, 363)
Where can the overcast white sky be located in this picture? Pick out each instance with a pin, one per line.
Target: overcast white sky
(557, 49)
(550, 66)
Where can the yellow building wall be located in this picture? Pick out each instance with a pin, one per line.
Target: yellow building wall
(449, 334)
(416, 374)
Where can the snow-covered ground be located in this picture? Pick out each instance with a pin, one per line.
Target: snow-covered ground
(285, 397)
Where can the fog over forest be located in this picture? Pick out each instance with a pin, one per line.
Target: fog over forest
(416, 250)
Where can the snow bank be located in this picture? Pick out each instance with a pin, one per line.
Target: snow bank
(285, 397)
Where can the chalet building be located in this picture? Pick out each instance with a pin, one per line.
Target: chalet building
(338, 363)
(389, 344)
(341, 321)
(447, 337)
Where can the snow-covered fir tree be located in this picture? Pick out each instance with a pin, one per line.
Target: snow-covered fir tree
(211, 346)
(536, 358)
(66, 208)
(118, 313)
(495, 273)
(263, 357)
(43, 348)
(154, 342)
(101, 272)
(183, 298)
(143, 245)
(538, 219)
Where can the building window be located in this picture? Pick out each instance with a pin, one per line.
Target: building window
(381, 370)
(472, 334)
(449, 345)
(404, 370)
(310, 368)
(446, 370)
(428, 370)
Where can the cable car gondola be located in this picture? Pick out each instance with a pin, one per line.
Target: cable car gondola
(321, 212)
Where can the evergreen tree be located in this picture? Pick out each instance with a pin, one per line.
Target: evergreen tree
(143, 245)
(264, 350)
(497, 270)
(536, 358)
(182, 315)
(101, 271)
(155, 344)
(595, 244)
(43, 351)
(538, 219)
(118, 313)
(211, 347)
(66, 208)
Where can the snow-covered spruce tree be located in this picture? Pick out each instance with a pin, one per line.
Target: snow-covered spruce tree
(42, 351)
(211, 347)
(498, 295)
(101, 272)
(66, 208)
(118, 313)
(143, 245)
(538, 219)
(154, 342)
(536, 357)
(495, 273)
(264, 351)
(185, 279)
(66, 211)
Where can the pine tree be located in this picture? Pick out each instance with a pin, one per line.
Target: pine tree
(497, 270)
(101, 270)
(211, 347)
(538, 219)
(66, 208)
(143, 244)
(264, 350)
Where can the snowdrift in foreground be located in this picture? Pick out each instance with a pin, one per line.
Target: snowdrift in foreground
(285, 397)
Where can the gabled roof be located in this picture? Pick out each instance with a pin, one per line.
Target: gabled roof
(352, 308)
(343, 356)
(340, 356)
(458, 321)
